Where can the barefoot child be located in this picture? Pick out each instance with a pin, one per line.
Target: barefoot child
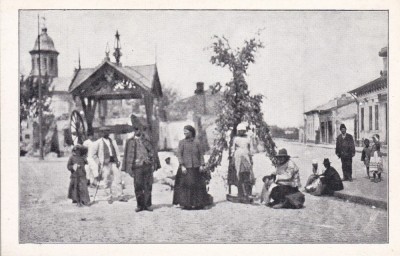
(366, 155)
(78, 190)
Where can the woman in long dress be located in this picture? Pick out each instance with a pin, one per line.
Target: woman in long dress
(243, 162)
(190, 187)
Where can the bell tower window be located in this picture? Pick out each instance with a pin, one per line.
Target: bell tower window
(51, 63)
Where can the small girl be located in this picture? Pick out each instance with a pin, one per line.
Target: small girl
(366, 156)
(78, 190)
(375, 164)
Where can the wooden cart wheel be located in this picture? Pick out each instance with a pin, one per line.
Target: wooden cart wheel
(77, 127)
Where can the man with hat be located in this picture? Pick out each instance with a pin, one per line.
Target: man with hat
(345, 150)
(140, 163)
(287, 172)
(108, 157)
(330, 179)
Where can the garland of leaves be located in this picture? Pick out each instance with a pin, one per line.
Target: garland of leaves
(237, 104)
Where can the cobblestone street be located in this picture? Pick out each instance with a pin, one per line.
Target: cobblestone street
(46, 215)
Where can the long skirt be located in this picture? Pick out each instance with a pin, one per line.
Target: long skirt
(190, 189)
(78, 190)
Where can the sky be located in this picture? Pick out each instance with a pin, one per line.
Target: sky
(309, 57)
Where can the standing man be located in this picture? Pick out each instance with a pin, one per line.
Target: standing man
(108, 157)
(139, 163)
(345, 150)
(92, 168)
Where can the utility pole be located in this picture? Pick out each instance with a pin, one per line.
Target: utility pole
(305, 120)
(41, 157)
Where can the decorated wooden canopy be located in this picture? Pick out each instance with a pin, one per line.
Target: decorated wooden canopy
(111, 81)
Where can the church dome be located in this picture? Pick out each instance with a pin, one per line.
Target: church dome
(46, 43)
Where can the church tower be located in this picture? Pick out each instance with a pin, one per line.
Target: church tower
(48, 56)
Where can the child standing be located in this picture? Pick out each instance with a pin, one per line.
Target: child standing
(78, 190)
(366, 156)
(376, 164)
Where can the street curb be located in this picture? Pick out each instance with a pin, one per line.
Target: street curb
(358, 149)
(361, 200)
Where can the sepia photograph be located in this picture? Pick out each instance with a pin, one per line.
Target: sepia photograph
(203, 126)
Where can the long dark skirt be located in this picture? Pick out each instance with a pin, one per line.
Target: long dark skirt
(190, 189)
(78, 190)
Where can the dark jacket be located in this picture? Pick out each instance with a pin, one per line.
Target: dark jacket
(345, 148)
(190, 154)
(332, 180)
(131, 152)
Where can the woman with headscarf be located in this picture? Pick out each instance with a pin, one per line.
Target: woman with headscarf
(190, 186)
(243, 161)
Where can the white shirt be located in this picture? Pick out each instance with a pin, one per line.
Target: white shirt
(107, 141)
(91, 145)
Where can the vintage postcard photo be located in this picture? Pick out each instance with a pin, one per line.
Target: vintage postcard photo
(203, 126)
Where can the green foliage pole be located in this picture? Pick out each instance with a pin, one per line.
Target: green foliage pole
(237, 104)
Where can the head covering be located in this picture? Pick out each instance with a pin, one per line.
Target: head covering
(242, 127)
(190, 129)
(376, 136)
(326, 161)
(79, 150)
(314, 161)
(342, 126)
(282, 153)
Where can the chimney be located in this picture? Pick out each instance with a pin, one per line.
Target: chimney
(383, 54)
(199, 88)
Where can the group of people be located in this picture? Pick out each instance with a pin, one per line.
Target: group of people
(99, 160)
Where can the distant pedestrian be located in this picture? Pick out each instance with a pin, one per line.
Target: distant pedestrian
(78, 190)
(366, 156)
(345, 150)
(330, 179)
(191, 192)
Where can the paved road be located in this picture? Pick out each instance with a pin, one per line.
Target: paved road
(46, 216)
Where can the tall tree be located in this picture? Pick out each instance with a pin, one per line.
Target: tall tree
(237, 104)
(29, 97)
(170, 96)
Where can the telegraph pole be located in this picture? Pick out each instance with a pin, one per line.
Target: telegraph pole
(41, 157)
(305, 120)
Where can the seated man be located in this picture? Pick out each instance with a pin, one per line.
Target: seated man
(281, 196)
(330, 179)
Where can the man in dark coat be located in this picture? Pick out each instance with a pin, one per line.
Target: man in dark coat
(140, 163)
(330, 179)
(345, 150)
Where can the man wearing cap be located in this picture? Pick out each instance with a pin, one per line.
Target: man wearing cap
(345, 150)
(330, 179)
(108, 157)
(140, 163)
